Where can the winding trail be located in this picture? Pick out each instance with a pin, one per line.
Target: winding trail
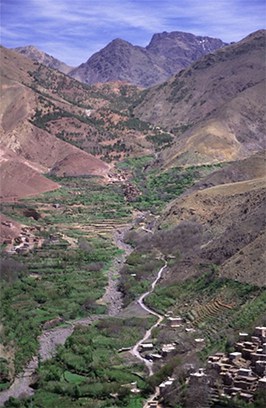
(49, 340)
(134, 351)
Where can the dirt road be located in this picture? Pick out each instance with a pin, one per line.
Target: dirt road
(134, 351)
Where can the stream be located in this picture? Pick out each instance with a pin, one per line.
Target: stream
(50, 339)
(48, 342)
(113, 297)
(134, 351)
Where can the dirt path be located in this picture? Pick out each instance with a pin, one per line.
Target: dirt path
(134, 351)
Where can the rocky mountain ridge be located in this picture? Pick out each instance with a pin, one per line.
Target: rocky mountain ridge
(165, 55)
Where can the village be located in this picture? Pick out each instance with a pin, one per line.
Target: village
(238, 374)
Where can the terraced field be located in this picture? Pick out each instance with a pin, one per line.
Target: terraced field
(210, 309)
(212, 306)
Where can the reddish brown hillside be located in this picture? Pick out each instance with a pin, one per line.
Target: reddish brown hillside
(45, 151)
(95, 119)
(19, 180)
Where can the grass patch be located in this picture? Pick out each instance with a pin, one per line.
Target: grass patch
(59, 280)
(89, 368)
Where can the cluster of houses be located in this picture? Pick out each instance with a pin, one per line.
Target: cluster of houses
(23, 242)
(241, 373)
(173, 322)
(147, 349)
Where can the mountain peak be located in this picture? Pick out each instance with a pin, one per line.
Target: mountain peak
(180, 45)
(119, 41)
(166, 54)
(215, 105)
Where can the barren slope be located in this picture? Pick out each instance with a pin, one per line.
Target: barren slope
(233, 219)
(216, 108)
(20, 179)
(32, 145)
(39, 56)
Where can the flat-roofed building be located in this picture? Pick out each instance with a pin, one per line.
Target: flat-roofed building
(260, 331)
(235, 355)
(146, 346)
(243, 336)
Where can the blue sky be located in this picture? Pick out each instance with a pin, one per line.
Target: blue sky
(72, 30)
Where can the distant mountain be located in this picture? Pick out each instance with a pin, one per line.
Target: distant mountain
(215, 108)
(177, 50)
(166, 54)
(36, 55)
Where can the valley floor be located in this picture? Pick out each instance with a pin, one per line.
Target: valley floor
(95, 309)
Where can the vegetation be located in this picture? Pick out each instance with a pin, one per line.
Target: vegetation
(159, 188)
(136, 274)
(87, 114)
(78, 93)
(66, 277)
(89, 370)
(161, 140)
(136, 124)
(215, 306)
(79, 200)
(63, 278)
(54, 283)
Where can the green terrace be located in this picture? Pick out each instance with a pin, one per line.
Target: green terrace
(213, 305)
(55, 281)
(90, 371)
(79, 200)
(158, 188)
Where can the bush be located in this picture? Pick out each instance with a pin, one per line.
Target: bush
(10, 269)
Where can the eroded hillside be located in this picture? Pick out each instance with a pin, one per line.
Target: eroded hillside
(58, 125)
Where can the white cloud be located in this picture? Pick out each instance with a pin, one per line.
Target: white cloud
(72, 30)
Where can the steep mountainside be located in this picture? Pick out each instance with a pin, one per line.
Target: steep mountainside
(33, 147)
(94, 118)
(166, 54)
(215, 108)
(62, 126)
(229, 206)
(39, 56)
(20, 178)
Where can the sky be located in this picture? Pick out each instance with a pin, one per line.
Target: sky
(72, 30)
